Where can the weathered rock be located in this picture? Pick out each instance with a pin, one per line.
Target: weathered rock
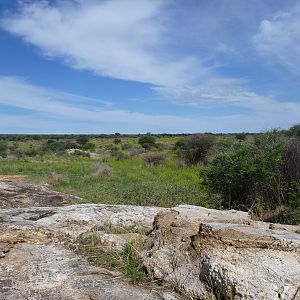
(40, 272)
(205, 253)
(17, 193)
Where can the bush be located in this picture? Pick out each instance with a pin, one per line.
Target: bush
(82, 140)
(102, 170)
(117, 141)
(194, 148)
(261, 176)
(82, 153)
(3, 148)
(241, 136)
(147, 141)
(55, 178)
(89, 146)
(154, 159)
(294, 130)
(136, 151)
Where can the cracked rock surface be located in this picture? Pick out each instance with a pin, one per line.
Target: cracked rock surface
(201, 253)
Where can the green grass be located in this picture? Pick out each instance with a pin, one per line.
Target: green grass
(127, 260)
(131, 182)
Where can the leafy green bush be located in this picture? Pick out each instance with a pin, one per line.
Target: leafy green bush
(194, 148)
(82, 140)
(241, 136)
(294, 130)
(259, 176)
(147, 141)
(3, 148)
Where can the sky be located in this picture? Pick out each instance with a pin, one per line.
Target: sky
(161, 66)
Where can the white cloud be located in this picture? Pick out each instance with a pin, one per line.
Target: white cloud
(49, 111)
(16, 92)
(121, 38)
(227, 92)
(279, 38)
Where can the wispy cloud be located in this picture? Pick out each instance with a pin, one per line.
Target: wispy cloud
(16, 92)
(279, 38)
(227, 92)
(46, 110)
(134, 40)
(122, 39)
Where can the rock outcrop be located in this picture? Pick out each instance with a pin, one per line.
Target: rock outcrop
(224, 255)
(200, 253)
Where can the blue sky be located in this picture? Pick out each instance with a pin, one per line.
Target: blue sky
(134, 66)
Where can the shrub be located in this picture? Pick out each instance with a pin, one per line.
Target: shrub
(136, 151)
(3, 148)
(294, 130)
(55, 178)
(89, 146)
(260, 176)
(102, 170)
(194, 148)
(154, 159)
(82, 140)
(241, 136)
(147, 141)
(117, 141)
(82, 153)
(126, 146)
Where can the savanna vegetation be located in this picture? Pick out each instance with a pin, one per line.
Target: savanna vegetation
(259, 173)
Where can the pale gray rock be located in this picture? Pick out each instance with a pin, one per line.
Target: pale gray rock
(202, 253)
(216, 255)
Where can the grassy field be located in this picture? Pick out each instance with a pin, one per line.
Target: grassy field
(131, 181)
(256, 173)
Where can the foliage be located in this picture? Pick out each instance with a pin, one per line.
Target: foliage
(154, 159)
(241, 136)
(147, 141)
(127, 260)
(194, 148)
(117, 141)
(3, 148)
(132, 267)
(259, 176)
(100, 169)
(295, 130)
(82, 140)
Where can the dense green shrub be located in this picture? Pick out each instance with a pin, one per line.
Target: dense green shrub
(82, 140)
(241, 136)
(294, 130)
(3, 148)
(89, 146)
(194, 148)
(259, 176)
(147, 141)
